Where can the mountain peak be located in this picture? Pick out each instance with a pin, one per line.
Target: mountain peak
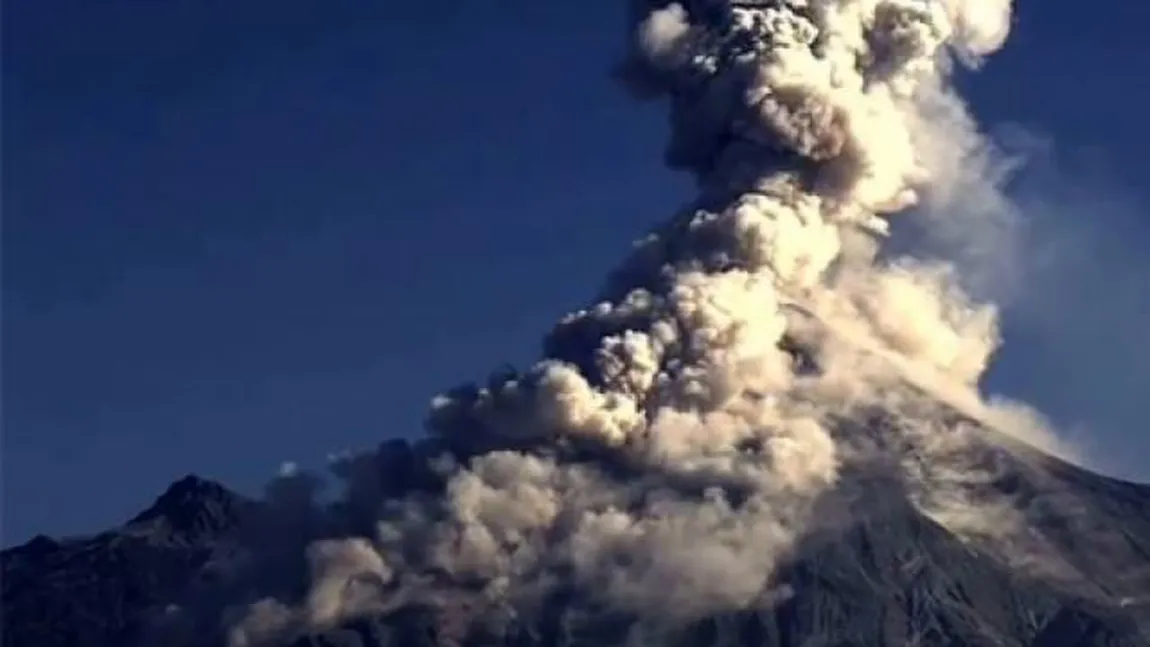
(193, 506)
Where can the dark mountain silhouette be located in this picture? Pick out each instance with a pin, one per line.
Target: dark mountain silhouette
(96, 590)
(887, 576)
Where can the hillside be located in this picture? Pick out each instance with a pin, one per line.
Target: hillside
(888, 576)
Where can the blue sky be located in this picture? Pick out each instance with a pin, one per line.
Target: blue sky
(240, 233)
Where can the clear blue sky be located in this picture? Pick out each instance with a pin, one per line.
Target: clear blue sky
(239, 233)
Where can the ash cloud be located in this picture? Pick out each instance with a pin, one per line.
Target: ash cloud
(668, 452)
(1085, 307)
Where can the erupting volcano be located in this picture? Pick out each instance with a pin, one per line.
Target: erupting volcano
(765, 430)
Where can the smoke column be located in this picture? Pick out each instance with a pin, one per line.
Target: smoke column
(666, 454)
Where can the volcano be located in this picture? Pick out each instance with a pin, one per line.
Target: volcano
(882, 573)
(766, 429)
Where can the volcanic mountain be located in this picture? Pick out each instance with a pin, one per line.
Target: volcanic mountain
(766, 429)
(881, 573)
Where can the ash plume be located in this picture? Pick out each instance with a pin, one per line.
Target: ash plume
(752, 355)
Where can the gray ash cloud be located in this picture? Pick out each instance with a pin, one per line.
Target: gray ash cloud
(670, 449)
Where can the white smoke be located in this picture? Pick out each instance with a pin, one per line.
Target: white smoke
(665, 456)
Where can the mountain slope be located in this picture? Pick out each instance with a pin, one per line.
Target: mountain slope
(98, 590)
(882, 574)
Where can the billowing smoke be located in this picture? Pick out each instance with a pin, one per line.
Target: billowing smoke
(756, 352)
